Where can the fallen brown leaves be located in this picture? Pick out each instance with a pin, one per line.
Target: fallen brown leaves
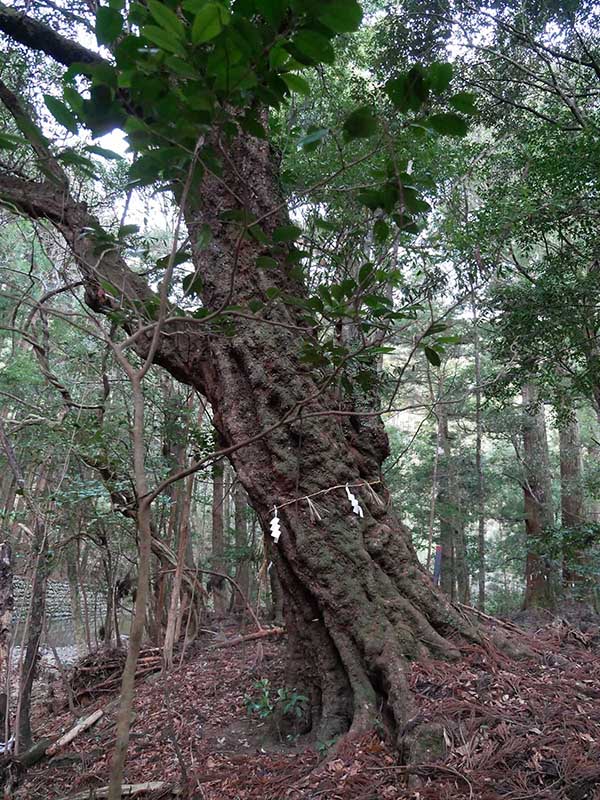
(514, 730)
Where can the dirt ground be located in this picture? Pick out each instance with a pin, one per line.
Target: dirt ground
(512, 730)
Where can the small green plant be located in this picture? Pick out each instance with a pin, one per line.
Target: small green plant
(260, 703)
(264, 704)
(291, 702)
(323, 747)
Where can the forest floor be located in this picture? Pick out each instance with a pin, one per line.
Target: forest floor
(513, 730)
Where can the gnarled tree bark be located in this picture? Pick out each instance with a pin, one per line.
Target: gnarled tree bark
(359, 606)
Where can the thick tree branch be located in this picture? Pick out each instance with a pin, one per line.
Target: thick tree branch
(111, 287)
(38, 142)
(39, 36)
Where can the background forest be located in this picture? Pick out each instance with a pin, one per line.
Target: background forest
(441, 166)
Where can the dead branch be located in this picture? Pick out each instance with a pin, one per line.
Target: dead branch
(81, 726)
(127, 790)
(251, 637)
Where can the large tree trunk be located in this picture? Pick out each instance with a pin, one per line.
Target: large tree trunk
(540, 574)
(358, 603)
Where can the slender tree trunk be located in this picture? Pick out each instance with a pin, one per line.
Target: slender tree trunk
(461, 565)
(434, 495)
(573, 512)
(218, 544)
(9, 494)
(144, 531)
(540, 574)
(176, 598)
(74, 594)
(242, 576)
(6, 611)
(446, 507)
(84, 597)
(35, 617)
(35, 628)
(110, 602)
(479, 466)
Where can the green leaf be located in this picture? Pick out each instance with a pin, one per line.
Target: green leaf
(381, 231)
(313, 138)
(109, 24)
(8, 141)
(296, 83)
(209, 22)
(432, 356)
(273, 11)
(342, 16)
(61, 113)
(234, 215)
(286, 233)
(313, 48)
(252, 126)
(73, 99)
(163, 39)
(361, 124)
(365, 272)
(127, 230)
(437, 327)
(440, 75)
(266, 262)
(73, 158)
(203, 237)
(450, 124)
(145, 170)
(181, 257)
(182, 67)
(192, 284)
(409, 91)
(103, 152)
(278, 56)
(257, 233)
(464, 101)
(371, 198)
(166, 18)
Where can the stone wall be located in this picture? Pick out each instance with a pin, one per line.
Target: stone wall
(58, 599)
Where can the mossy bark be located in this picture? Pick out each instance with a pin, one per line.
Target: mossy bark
(358, 604)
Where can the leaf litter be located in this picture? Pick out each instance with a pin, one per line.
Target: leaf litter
(513, 729)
